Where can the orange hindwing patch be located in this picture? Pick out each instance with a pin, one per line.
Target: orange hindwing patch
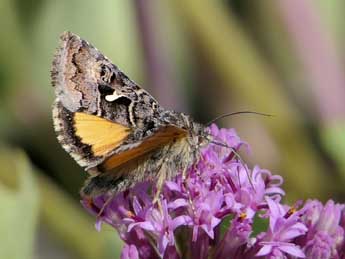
(102, 135)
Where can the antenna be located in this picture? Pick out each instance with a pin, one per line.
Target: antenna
(239, 157)
(237, 113)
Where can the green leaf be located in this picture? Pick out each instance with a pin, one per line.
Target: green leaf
(19, 206)
(225, 225)
(259, 225)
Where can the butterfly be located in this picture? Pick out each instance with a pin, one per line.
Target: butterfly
(113, 128)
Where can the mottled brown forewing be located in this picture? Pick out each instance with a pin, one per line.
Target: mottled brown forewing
(99, 113)
(111, 126)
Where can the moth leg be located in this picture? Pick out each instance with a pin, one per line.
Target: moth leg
(160, 182)
(184, 174)
(106, 203)
(185, 169)
(162, 175)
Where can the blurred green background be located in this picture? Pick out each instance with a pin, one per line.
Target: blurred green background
(201, 57)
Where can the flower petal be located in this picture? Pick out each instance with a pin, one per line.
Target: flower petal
(144, 225)
(293, 250)
(177, 203)
(129, 252)
(265, 250)
(181, 221)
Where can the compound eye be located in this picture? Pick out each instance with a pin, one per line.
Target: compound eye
(204, 140)
(106, 74)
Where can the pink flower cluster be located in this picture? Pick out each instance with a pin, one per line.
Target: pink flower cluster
(223, 210)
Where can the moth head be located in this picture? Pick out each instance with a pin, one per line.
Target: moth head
(201, 137)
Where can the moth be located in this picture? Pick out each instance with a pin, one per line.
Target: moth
(113, 128)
